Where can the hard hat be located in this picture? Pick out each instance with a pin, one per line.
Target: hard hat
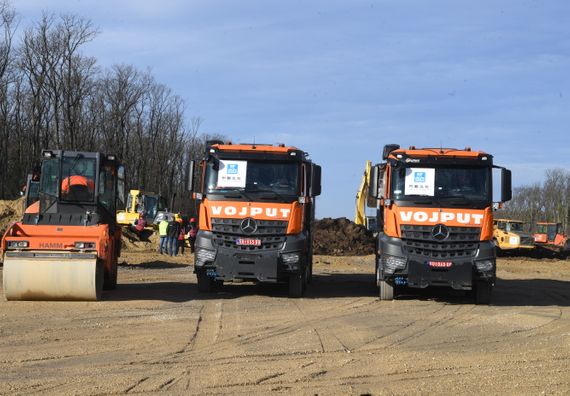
(77, 180)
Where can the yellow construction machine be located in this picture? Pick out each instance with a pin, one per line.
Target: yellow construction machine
(138, 201)
(509, 235)
(363, 201)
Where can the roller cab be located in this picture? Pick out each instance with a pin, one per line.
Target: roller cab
(67, 245)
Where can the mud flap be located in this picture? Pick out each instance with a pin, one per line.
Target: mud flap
(53, 278)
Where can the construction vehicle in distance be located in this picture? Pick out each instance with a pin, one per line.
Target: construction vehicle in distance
(67, 244)
(138, 201)
(551, 237)
(256, 210)
(435, 219)
(363, 200)
(509, 236)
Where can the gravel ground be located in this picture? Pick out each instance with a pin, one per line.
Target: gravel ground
(157, 334)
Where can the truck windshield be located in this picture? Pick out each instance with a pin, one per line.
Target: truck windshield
(252, 176)
(515, 227)
(442, 185)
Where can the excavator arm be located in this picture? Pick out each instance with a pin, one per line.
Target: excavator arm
(362, 196)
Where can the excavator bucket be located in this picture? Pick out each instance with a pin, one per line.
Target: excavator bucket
(52, 276)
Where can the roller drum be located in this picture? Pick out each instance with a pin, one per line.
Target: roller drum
(57, 277)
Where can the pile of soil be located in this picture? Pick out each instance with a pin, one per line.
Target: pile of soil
(342, 237)
(148, 240)
(10, 211)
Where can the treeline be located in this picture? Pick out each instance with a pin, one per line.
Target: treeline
(54, 96)
(547, 201)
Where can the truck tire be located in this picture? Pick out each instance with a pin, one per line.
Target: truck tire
(386, 291)
(297, 284)
(205, 283)
(483, 292)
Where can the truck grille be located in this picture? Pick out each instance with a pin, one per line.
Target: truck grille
(270, 232)
(461, 242)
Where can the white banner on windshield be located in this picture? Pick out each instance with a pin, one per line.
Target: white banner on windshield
(232, 174)
(420, 181)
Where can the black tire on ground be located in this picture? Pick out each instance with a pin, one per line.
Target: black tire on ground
(110, 279)
(218, 285)
(483, 292)
(310, 273)
(297, 284)
(205, 283)
(386, 291)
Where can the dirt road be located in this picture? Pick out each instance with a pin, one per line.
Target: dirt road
(156, 334)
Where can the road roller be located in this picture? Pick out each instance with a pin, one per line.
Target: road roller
(67, 244)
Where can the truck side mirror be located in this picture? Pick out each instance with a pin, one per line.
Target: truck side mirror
(506, 185)
(315, 189)
(190, 176)
(374, 182)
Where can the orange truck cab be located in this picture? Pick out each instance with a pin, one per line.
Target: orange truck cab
(551, 236)
(435, 219)
(256, 209)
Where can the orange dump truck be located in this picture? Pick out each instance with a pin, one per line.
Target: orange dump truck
(67, 244)
(551, 236)
(257, 206)
(435, 219)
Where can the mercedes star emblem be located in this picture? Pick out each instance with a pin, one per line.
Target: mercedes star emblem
(248, 225)
(440, 232)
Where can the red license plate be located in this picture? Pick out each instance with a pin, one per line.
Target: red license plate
(440, 264)
(248, 242)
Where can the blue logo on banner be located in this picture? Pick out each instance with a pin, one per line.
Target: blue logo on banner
(419, 177)
(232, 169)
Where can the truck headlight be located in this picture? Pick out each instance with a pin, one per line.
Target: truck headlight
(291, 258)
(393, 263)
(18, 244)
(203, 256)
(514, 240)
(121, 216)
(484, 265)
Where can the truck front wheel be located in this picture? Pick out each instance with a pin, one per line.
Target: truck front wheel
(205, 283)
(298, 283)
(483, 292)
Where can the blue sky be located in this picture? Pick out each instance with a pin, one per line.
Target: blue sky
(340, 79)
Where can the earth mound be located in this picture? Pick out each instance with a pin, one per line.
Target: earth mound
(342, 237)
(10, 211)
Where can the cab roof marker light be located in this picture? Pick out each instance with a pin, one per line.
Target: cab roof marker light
(292, 153)
(484, 158)
(212, 150)
(398, 155)
(48, 154)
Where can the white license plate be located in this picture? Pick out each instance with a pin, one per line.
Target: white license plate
(248, 242)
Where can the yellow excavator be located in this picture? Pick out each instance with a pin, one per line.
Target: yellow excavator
(139, 201)
(363, 201)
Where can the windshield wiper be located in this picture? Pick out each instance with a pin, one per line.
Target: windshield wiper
(461, 200)
(276, 195)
